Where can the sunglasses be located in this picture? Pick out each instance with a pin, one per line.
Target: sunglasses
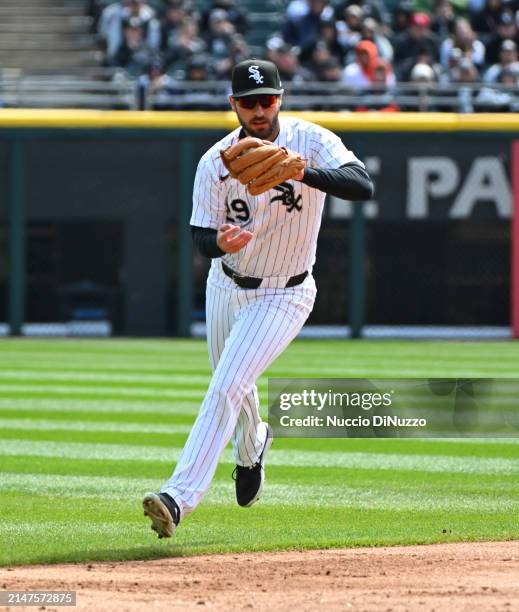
(264, 100)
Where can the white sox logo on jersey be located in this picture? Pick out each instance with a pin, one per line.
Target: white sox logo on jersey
(255, 74)
(287, 197)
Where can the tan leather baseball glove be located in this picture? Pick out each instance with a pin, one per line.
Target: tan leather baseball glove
(260, 164)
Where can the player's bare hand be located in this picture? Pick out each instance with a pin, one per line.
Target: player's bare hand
(299, 176)
(231, 238)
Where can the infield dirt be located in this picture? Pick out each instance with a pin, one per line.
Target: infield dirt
(466, 576)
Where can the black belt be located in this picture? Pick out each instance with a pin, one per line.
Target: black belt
(250, 282)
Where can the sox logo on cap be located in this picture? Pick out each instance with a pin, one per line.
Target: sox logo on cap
(255, 74)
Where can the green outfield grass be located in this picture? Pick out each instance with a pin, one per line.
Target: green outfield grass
(87, 427)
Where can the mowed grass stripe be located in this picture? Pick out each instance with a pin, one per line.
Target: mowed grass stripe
(345, 367)
(123, 412)
(89, 426)
(177, 349)
(94, 391)
(276, 494)
(168, 363)
(151, 412)
(502, 485)
(132, 383)
(393, 369)
(163, 466)
(195, 365)
(200, 372)
(32, 376)
(137, 434)
(364, 358)
(151, 418)
(286, 368)
(108, 348)
(96, 395)
(359, 461)
(174, 395)
(166, 417)
(81, 405)
(161, 437)
(119, 437)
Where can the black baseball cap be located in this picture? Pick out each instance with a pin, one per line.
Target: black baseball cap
(255, 77)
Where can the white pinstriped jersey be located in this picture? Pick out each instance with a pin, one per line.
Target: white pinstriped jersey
(285, 220)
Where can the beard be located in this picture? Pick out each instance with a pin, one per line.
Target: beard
(267, 131)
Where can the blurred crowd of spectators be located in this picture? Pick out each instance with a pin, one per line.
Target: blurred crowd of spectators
(173, 37)
(359, 43)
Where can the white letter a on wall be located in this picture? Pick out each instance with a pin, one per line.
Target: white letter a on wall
(486, 181)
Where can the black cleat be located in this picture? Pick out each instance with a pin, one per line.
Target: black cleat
(249, 480)
(163, 512)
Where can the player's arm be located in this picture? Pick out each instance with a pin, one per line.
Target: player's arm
(204, 239)
(334, 169)
(215, 243)
(348, 182)
(212, 236)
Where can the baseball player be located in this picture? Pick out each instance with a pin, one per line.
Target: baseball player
(260, 288)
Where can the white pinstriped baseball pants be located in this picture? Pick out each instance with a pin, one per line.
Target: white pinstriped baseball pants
(247, 329)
